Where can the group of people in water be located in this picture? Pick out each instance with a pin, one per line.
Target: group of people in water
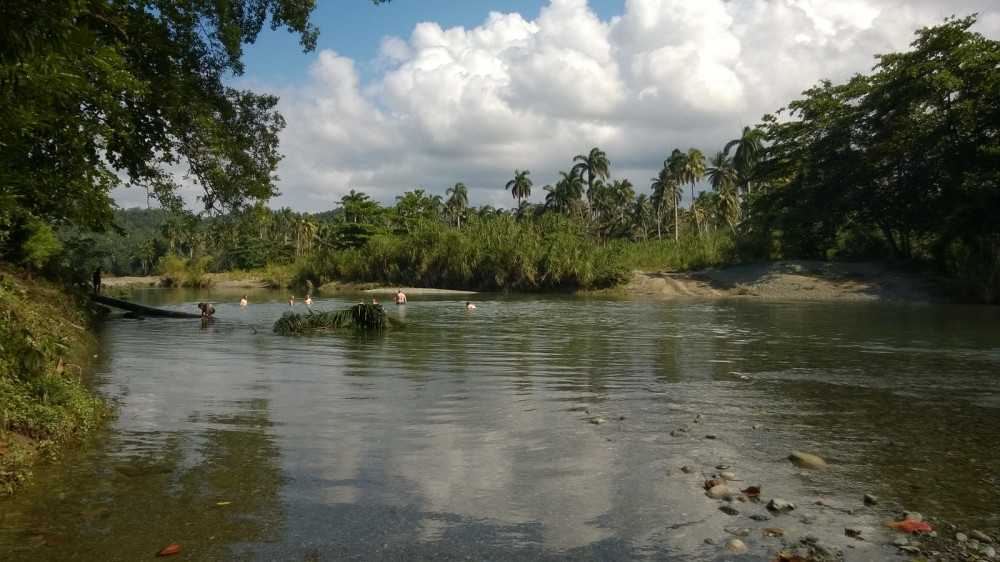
(207, 310)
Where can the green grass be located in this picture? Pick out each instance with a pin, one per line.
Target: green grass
(45, 349)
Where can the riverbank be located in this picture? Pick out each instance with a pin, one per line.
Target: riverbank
(785, 280)
(45, 399)
(797, 280)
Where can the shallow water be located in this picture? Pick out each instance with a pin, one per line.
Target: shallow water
(532, 427)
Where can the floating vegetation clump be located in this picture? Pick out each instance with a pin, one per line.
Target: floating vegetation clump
(367, 316)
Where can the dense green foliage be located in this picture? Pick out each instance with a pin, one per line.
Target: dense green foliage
(98, 94)
(899, 164)
(904, 161)
(44, 401)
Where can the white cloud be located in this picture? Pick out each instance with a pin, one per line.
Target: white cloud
(471, 105)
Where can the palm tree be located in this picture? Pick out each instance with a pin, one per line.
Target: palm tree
(566, 196)
(520, 186)
(722, 176)
(596, 165)
(749, 148)
(721, 172)
(624, 193)
(676, 167)
(641, 213)
(305, 231)
(694, 169)
(665, 189)
(352, 203)
(458, 202)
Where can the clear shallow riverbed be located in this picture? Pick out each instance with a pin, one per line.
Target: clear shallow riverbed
(528, 428)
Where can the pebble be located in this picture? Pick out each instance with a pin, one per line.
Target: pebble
(778, 505)
(729, 510)
(727, 475)
(687, 469)
(913, 515)
(870, 499)
(852, 532)
(980, 536)
(806, 460)
(961, 537)
(738, 531)
(717, 492)
(736, 546)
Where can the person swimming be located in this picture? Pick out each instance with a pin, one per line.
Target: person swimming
(469, 305)
(243, 301)
(400, 297)
(308, 302)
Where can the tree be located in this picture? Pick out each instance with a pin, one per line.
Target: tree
(458, 202)
(910, 154)
(666, 190)
(642, 214)
(749, 148)
(100, 94)
(595, 165)
(694, 169)
(676, 167)
(520, 186)
(721, 174)
(566, 196)
(359, 207)
(624, 193)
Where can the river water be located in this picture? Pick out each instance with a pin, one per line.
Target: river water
(533, 427)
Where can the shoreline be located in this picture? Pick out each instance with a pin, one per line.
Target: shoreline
(782, 280)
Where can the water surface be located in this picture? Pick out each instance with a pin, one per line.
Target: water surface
(533, 427)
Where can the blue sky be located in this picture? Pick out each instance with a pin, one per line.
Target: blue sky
(355, 29)
(423, 94)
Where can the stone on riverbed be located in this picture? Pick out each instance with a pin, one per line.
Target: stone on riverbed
(980, 536)
(806, 460)
(736, 546)
(718, 491)
(778, 505)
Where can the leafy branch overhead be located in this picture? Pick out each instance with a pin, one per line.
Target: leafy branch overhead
(99, 94)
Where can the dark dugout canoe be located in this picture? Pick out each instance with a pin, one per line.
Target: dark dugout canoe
(142, 309)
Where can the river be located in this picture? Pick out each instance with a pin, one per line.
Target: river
(532, 427)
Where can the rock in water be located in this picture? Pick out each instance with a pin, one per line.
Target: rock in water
(806, 460)
(736, 546)
(718, 492)
(777, 505)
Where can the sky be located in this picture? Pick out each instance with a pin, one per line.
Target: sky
(426, 94)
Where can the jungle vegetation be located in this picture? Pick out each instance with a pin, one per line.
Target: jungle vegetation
(898, 164)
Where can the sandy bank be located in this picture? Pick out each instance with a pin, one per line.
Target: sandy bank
(787, 280)
(809, 280)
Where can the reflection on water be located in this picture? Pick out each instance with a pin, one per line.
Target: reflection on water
(530, 427)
